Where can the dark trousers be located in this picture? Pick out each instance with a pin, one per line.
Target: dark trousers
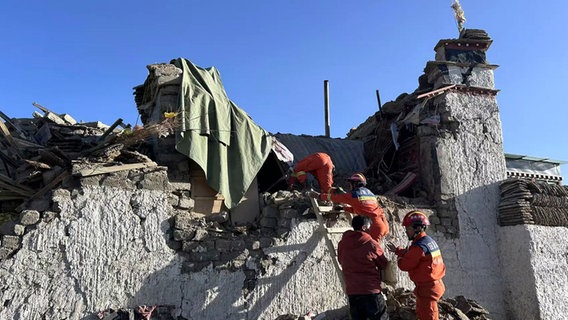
(368, 306)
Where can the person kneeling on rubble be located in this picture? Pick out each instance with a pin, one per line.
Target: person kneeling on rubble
(360, 201)
(319, 165)
(361, 260)
(423, 261)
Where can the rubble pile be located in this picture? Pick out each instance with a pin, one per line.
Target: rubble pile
(42, 153)
(401, 305)
(532, 202)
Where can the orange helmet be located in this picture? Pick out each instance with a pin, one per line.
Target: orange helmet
(358, 178)
(415, 219)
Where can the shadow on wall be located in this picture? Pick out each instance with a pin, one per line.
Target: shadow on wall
(282, 282)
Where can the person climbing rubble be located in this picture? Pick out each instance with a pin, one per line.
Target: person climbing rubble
(424, 264)
(360, 201)
(361, 260)
(319, 165)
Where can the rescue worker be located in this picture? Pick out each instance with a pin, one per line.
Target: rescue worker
(361, 260)
(319, 165)
(361, 201)
(424, 264)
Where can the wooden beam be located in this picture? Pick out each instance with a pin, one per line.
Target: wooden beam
(435, 92)
(12, 188)
(102, 170)
(11, 124)
(110, 129)
(14, 184)
(47, 187)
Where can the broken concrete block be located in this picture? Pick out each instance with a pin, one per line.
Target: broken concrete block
(19, 229)
(183, 221)
(270, 212)
(5, 252)
(69, 119)
(11, 242)
(181, 235)
(29, 217)
(186, 203)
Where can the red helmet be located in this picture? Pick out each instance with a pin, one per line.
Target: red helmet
(415, 219)
(358, 178)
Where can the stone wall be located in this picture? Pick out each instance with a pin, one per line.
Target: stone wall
(113, 241)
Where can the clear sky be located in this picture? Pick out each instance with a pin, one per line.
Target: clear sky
(84, 58)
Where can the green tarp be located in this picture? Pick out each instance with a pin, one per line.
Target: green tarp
(218, 135)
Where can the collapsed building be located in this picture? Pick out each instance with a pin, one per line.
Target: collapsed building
(183, 217)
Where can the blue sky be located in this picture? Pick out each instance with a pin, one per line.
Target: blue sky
(84, 58)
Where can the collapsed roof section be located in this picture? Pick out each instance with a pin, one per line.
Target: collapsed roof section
(212, 131)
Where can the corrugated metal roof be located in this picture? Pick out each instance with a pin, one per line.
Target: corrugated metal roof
(534, 159)
(348, 156)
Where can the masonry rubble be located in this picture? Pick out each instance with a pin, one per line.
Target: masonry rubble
(51, 161)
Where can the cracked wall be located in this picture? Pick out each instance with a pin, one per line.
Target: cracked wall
(103, 247)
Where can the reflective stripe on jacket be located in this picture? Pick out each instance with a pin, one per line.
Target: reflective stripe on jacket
(422, 260)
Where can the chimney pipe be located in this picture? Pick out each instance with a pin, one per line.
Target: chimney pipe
(326, 107)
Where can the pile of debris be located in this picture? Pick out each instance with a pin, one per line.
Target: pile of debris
(532, 202)
(401, 305)
(38, 153)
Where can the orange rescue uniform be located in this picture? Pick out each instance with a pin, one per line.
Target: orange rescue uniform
(363, 202)
(319, 165)
(423, 261)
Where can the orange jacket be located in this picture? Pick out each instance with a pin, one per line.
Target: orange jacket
(319, 165)
(422, 260)
(363, 202)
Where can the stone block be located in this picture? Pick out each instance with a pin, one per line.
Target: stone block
(434, 219)
(117, 180)
(284, 223)
(204, 256)
(185, 234)
(266, 242)
(19, 229)
(29, 217)
(289, 213)
(183, 221)
(173, 200)
(446, 222)
(200, 235)
(157, 180)
(186, 203)
(7, 228)
(270, 212)
(11, 242)
(5, 252)
(268, 222)
(223, 245)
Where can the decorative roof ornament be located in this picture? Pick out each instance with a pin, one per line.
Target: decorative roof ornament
(460, 15)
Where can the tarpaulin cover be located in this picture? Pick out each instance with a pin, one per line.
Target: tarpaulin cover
(218, 135)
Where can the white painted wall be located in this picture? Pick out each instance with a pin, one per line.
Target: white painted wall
(472, 165)
(534, 261)
(108, 250)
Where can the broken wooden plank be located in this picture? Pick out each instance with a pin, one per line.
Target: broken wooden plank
(46, 188)
(13, 125)
(8, 136)
(12, 188)
(102, 170)
(110, 129)
(14, 184)
(435, 92)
